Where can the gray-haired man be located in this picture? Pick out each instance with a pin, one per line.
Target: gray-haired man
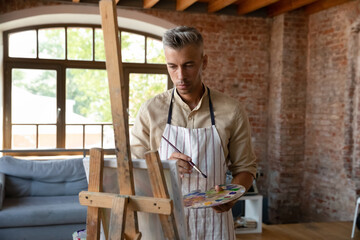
(208, 127)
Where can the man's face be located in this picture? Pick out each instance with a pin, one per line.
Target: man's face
(185, 66)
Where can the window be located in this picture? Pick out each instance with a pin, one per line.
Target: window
(56, 88)
(30, 89)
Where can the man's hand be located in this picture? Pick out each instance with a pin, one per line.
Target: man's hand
(243, 178)
(182, 161)
(223, 207)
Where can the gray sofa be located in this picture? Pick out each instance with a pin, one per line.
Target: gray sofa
(39, 199)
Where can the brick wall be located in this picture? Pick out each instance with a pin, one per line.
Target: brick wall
(353, 96)
(328, 187)
(298, 77)
(287, 97)
(13, 5)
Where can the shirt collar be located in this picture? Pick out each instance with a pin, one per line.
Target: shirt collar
(183, 104)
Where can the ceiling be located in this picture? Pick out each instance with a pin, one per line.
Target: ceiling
(261, 8)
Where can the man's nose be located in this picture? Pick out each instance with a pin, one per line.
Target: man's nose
(180, 73)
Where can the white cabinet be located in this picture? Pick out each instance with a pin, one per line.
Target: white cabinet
(253, 209)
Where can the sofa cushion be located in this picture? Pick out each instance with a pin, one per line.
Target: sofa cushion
(20, 187)
(58, 170)
(45, 177)
(39, 211)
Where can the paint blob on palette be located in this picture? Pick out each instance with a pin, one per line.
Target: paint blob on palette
(211, 198)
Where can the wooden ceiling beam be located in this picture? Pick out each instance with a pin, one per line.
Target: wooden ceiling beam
(322, 5)
(181, 5)
(216, 5)
(251, 5)
(150, 3)
(286, 6)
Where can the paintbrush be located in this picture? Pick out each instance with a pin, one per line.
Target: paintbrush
(190, 162)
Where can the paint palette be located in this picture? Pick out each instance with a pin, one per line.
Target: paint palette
(211, 198)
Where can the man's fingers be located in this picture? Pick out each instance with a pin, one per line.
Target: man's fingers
(184, 167)
(182, 162)
(221, 208)
(180, 156)
(218, 188)
(224, 207)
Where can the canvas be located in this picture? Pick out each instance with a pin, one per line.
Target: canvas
(149, 224)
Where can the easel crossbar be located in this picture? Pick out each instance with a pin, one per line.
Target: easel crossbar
(135, 203)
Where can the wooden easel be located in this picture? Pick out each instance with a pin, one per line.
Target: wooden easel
(119, 204)
(123, 220)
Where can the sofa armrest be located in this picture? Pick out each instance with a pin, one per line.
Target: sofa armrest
(2, 189)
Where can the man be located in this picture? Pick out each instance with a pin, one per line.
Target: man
(208, 127)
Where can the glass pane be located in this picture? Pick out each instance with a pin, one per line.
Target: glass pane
(23, 137)
(52, 43)
(143, 87)
(33, 96)
(22, 44)
(99, 45)
(132, 47)
(155, 51)
(109, 141)
(80, 43)
(92, 136)
(87, 96)
(47, 136)
(74, 136)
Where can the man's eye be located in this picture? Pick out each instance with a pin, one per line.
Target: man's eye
(172, 66)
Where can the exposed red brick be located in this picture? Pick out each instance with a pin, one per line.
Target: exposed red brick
(328, 168)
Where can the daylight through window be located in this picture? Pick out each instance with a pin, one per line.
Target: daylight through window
(56, 88)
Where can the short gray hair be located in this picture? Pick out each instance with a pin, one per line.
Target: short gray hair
(179, 37)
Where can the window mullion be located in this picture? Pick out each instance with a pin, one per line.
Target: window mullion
(60, 99)
(145, 49)
(66, 45)
(93, 44)
(37, 43)
(7, 129)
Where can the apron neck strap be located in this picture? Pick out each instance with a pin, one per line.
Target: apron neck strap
(170, 107)
(210, 108)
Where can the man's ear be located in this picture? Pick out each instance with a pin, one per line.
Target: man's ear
(205, 62)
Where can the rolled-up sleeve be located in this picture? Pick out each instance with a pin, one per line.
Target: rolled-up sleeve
(241, 155)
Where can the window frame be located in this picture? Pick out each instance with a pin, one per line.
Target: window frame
(60, 66)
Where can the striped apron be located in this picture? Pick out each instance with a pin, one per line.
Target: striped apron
(204, 147)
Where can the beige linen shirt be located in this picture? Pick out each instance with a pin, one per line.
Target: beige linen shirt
(230, 120)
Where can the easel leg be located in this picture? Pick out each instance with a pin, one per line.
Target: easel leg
(95, 185)
(159, 188)
(118, 218)
(118, 108)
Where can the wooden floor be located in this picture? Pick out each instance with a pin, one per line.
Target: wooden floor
(304, 231)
